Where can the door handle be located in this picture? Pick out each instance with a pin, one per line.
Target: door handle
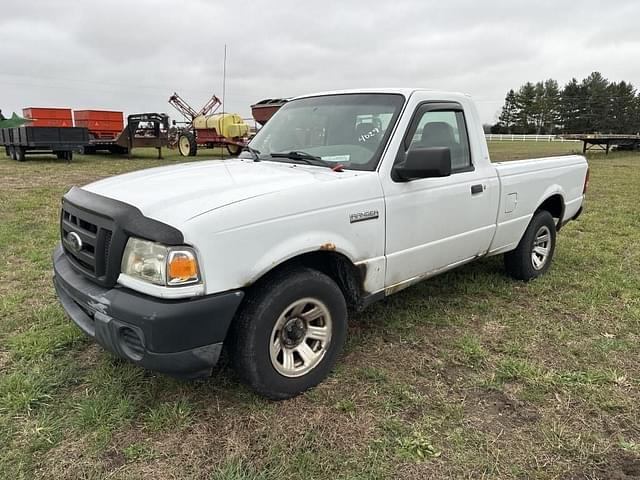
(476, 189)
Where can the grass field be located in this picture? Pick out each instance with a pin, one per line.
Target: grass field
(468, 375)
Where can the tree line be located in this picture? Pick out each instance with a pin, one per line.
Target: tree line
(593, 105)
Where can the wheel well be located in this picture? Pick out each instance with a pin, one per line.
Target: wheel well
(555, 206)
(339, 268)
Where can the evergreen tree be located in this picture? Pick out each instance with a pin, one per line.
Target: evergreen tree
(622, 107)
(551, 102)
(525, 103)
(571, 108)
(538, 107)
(635, 122)
(509, 114)
(597, 103)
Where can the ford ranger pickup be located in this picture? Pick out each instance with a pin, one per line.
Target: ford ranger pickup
(341, 199)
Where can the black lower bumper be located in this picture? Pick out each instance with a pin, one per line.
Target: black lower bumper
(178, 337)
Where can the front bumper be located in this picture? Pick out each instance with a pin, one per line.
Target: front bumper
(178, 337)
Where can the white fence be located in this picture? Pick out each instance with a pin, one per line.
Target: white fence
(508, 137)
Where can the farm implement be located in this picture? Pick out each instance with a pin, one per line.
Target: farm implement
(206, 129)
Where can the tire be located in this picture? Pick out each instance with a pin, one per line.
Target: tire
(533, 255)
(234, 150)
(187, 145)
(20, 154)
(12, 153)
(268, 321)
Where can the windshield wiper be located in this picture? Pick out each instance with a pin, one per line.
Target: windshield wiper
(304, 157)
(252, 151)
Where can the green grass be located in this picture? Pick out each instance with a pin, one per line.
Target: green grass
(469, 374)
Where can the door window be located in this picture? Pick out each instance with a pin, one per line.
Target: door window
(443, 128)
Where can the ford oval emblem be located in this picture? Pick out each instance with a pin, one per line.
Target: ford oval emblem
(75, 242)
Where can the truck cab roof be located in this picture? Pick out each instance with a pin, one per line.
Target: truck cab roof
(405, 91)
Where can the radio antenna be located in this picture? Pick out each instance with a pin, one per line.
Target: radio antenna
(224, 76)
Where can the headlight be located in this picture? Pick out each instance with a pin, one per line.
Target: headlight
(159, 264)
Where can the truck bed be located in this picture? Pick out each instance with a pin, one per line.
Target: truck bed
(525, 184)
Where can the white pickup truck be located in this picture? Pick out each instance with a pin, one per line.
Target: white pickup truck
(341, 199)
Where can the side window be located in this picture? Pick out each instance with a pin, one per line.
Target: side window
(444, 128)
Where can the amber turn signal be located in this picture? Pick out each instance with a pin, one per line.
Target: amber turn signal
(182, 268)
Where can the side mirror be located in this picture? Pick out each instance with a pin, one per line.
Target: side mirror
(424, 162)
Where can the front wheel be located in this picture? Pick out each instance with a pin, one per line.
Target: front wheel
(532, 257)
(289, 333)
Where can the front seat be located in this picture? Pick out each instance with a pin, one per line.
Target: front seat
(437, 134)
(441, 134)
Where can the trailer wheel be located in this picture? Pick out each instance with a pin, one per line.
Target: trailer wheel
(11, 151)
(187, 144)
(20, 154)
(234, 150)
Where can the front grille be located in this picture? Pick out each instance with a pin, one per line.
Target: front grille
(107, 243)
(96, 238)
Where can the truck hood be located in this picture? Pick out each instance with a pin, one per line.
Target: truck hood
(178, 193)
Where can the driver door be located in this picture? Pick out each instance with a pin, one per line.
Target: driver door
(436, 223)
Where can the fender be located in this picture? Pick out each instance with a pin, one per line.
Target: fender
(552, 190)
(297, 245)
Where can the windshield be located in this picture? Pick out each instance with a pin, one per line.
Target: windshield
(349, 129)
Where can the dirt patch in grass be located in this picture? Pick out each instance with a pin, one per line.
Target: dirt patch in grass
(620, 466)
(497, 410)
(614, 466)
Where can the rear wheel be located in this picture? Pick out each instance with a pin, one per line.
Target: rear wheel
(12, 152)
(187, 145)
(289, 333)
(532, 257)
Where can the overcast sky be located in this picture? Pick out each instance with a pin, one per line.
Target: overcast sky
(131, 55)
